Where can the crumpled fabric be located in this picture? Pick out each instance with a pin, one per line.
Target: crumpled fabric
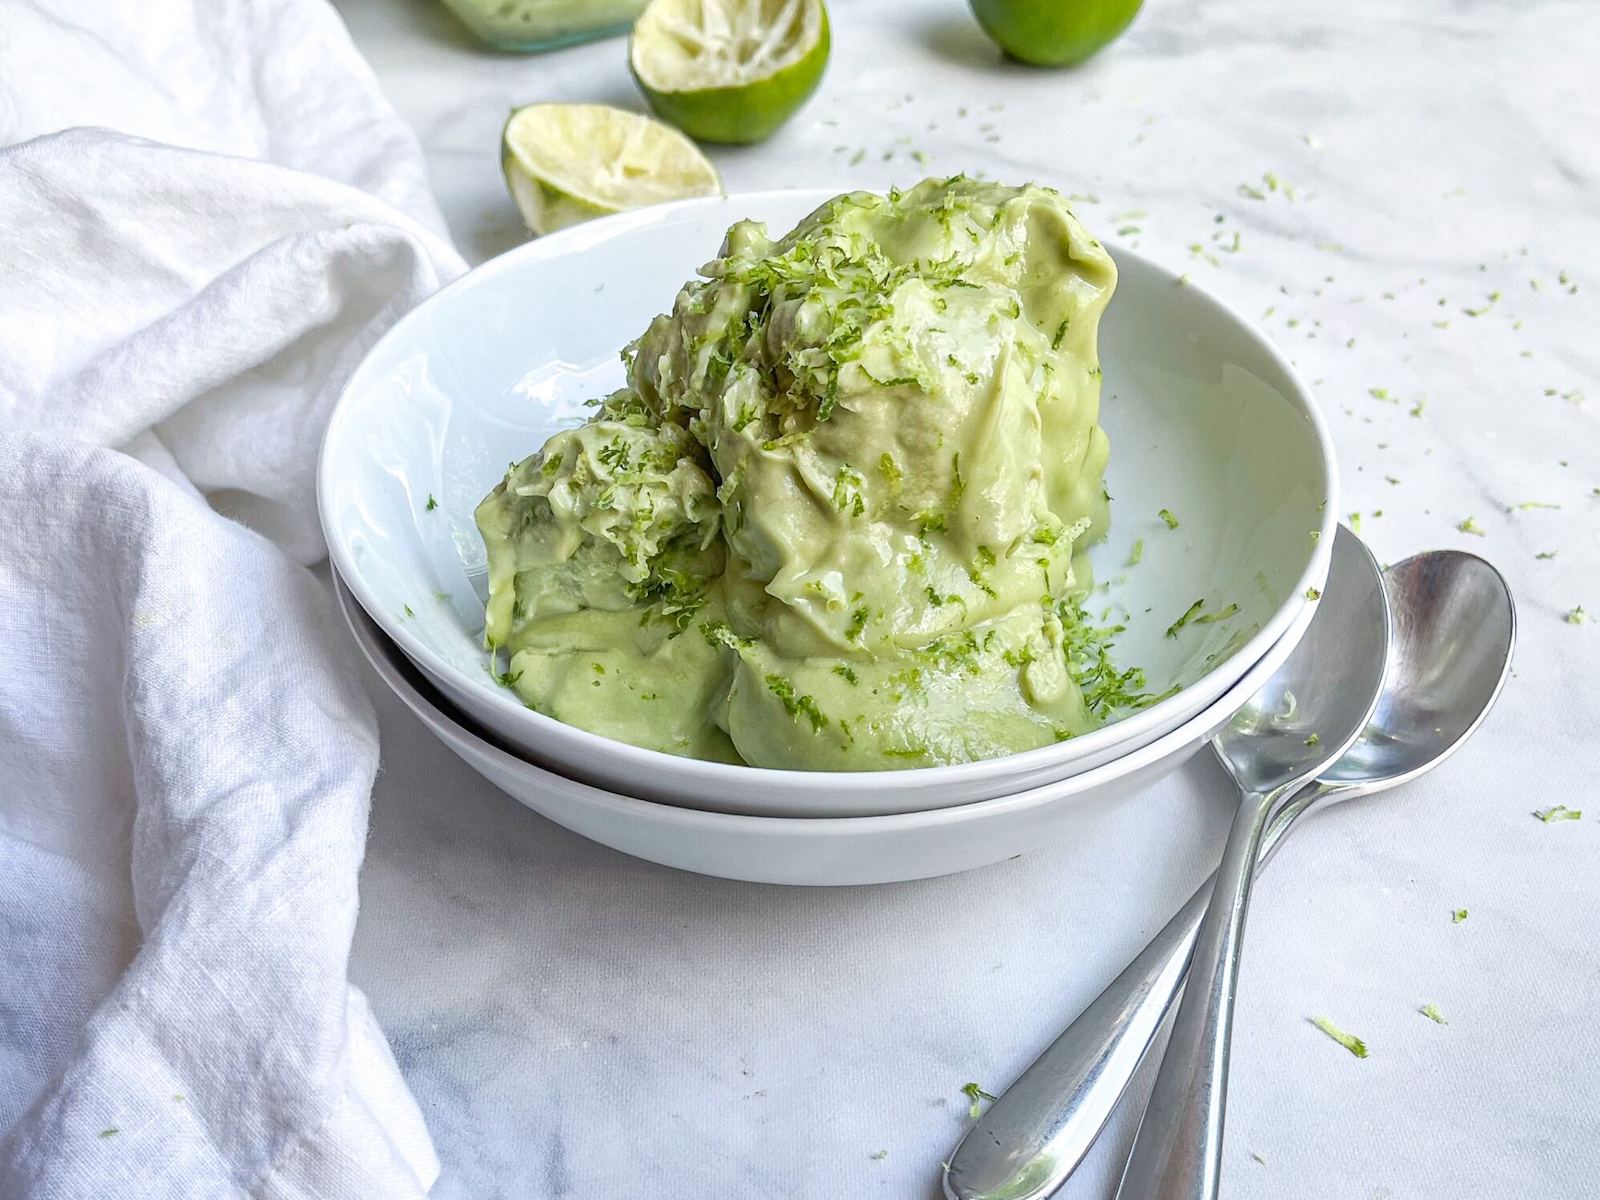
(207, 215)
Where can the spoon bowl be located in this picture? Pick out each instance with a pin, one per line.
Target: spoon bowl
(1454, 628)
(1322, 698)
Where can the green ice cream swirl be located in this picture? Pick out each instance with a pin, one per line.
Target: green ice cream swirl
(832, 520)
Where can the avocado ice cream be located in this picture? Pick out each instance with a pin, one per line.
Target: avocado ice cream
(835, 520)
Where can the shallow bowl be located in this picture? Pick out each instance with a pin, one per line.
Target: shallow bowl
(1206, 420)
(819, 851)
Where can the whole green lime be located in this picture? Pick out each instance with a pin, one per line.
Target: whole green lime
(1054, 33)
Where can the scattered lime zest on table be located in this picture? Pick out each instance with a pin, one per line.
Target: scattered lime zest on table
(729, 71)
(1166, 515)
(976, 1095)
(1349, 1041)
(1457, 916)
(1559, 812)
(568, 163)
(1431, 1011)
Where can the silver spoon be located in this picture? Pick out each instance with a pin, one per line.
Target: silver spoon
(1036, 1133)
(1309, 713)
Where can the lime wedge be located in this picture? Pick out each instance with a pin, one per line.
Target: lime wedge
(729, 70)
(1054, 33)
(567, 163)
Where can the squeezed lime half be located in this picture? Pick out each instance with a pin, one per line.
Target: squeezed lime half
(729, 70)
(567, 163)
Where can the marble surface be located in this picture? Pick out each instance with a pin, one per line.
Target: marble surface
(1404, 196)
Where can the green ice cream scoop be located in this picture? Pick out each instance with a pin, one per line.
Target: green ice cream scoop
(831, 522)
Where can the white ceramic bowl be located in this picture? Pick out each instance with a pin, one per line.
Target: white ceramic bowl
(821, 850)
(1205, 419)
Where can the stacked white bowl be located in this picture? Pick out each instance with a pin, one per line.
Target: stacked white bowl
(1206, 421)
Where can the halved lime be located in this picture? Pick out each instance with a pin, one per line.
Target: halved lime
(1054, 33)
(729, 70)
(567, 163)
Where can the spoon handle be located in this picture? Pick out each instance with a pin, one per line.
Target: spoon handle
(1177, 1152)
(1036, 1133)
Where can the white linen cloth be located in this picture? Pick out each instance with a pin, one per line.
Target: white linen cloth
(185, 758)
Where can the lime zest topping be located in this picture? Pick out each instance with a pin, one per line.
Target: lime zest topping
(797, 705)
(858, 623)
(1189, 614)
(1222, 614)
(1349, 1041)
(847, 491)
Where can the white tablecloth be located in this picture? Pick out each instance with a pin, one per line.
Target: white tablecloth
(578, 1024)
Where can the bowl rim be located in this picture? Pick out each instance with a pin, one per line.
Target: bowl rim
(690, 771)
(414, 690)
